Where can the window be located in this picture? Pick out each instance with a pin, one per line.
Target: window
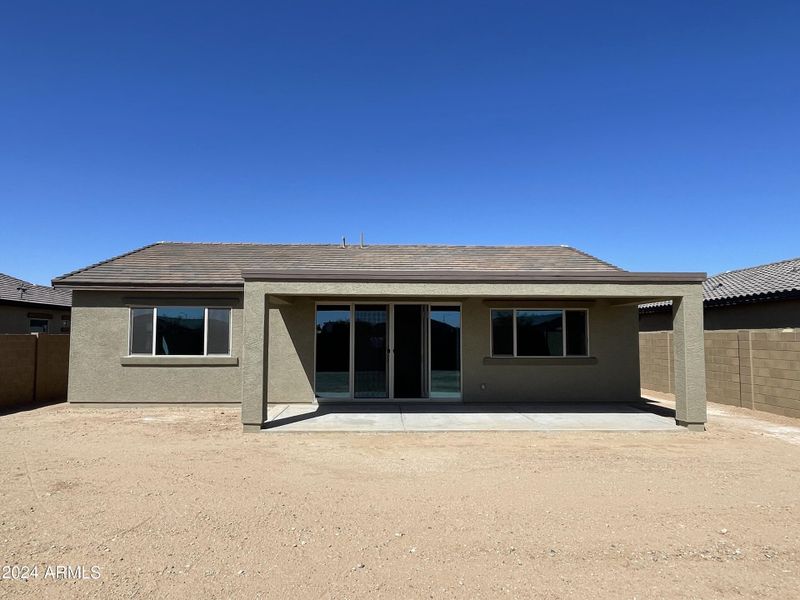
(38, 325)
(180, 331)
(527, 332)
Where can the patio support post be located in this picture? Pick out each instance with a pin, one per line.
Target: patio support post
(254, 357)
(689, 360)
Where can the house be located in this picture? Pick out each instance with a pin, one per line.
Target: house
(752, 338)
(761, 297)
(29, 308)
(268, 323)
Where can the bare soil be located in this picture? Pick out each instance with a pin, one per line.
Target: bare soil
(178, 503)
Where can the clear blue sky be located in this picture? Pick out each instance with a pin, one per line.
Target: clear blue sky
(656, 135)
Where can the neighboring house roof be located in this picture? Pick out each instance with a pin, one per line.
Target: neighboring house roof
(24, 292)
(773, 281)
(174, 263)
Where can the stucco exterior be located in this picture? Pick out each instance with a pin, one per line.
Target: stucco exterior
(611, 374)
(273, 344)
(278, 349)
(99, 372)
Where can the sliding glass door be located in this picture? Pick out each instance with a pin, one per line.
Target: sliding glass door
(332, 364)
(371, 351)
(379, 351)
(445, 352)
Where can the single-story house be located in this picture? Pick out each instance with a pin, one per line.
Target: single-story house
(258, 324)
(760, 297)
(752, 339)
(29, 308)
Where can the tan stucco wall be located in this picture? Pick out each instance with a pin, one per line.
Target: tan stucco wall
(14, 319)
(291, 352)
(100, 337)
(613, 339)
(614, 376)
(100, 340)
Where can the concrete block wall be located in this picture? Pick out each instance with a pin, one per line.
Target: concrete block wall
(655, 361)
(17, 369)
(773, 372)
(52, 367)
(722, 367)
(33, 368)
(757, 369)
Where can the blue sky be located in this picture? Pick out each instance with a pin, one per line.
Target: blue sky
(656, 135)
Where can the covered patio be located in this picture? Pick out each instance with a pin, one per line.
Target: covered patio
(587, 380)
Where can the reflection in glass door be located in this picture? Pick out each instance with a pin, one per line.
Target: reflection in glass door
(445, 352)
(370, 351)
(332, 379)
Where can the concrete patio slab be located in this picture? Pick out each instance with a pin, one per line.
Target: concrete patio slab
(459, 418)
(311, 417)
(465, 417)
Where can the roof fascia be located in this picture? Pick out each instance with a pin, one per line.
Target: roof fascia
(475, 276)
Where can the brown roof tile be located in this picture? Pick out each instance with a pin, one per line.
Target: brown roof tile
(763, 282)
(18, 290)
(222, 264)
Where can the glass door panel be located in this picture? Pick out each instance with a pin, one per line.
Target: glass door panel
(370, 351)
(445, 353)
(332, 372)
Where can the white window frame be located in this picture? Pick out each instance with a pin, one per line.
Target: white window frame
(563, 312)
(205, 330)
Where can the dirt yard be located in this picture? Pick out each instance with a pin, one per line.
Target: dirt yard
(179, 503)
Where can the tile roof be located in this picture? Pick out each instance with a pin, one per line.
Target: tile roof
(181, 263)
(31, 293)
(763, 282)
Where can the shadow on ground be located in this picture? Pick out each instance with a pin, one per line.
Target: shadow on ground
(642, 414)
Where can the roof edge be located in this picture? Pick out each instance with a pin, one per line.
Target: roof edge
(150, 287)
(49, 305)
(666, 305)
(475, 276)
(102, 262)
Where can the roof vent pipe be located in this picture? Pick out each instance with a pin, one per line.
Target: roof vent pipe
(361, 243)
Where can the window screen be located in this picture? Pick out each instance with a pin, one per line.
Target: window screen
(219, 331)
(502, 332)
(141, 331)
(576, 332)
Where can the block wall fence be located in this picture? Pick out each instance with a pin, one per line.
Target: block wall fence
(756, 369)
(33, 368)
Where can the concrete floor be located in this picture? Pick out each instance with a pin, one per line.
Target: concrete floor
(466, 417)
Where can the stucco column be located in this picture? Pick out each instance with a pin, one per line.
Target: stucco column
(255, 350)
(690, 362)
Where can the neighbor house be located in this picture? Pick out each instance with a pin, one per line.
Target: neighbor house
(256, 324)
(752, 339)
(29, 308)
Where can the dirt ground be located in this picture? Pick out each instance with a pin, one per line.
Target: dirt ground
(179, 503)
